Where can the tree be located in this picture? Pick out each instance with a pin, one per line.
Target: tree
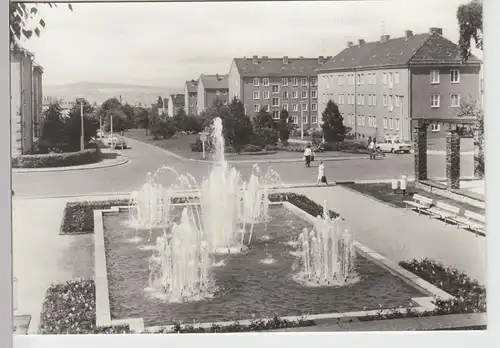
(285, 126)
(19, 15)
(140, 117)
(333, 123)
(53, 128)
(239, 129)
(128, 111)
(470, 23)
(264, 119)
(164, 128)
(113, 108)
(73, 125)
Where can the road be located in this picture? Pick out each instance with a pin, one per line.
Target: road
(145, 158)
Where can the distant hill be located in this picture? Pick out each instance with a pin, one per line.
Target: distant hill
(100, 91)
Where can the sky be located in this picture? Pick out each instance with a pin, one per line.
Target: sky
(165, 44)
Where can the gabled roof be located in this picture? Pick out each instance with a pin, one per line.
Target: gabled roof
(264, 67)
(177, 99)
(417, 49)
(192, 86)
(215, 81)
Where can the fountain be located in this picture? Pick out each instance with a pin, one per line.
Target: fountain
(327, 253)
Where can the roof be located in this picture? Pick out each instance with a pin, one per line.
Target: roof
(177, 99)
(37, 66)
(192, 86)
(215, 81)
(418, 49)
(276, 67)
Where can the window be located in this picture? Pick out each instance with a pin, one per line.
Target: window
(390, 103)
(384, 78)
(374, 99)
(314, 119)
(304, 107)
(362, 79)
(396, 121)
(397, 99)
(276, 101)
(455, 76)
(435, 100)
(385, 122)
(224, 92)
(391, 123)
(434, 76)
(342, 98)
(314, 107)
(295, 94)
(276, 114)
(314, 94)
(370, 121)
(435, 127)
(358, 99)
(390, 80)
(275, 88)
(295, 120)
(303, 94)
(295, 107)
(256, 107)
(303, 81)
(256, 95)
(217, 92)
(455, 100)
(266, 107)
(314, 81)
(256, 81)
(224, 102)
(362, 120)
(304, 119)
(284, 81)
(266, 94)
(396, 78)
(295, 81)
(339, 99)
(284, 107)
(358, 79)
(285, 94)
(265, 81)
(362, 99)
(384, 100)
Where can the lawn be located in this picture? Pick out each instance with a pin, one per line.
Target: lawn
(179, 143)
(384, 193)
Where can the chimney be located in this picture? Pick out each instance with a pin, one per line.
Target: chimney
(285, 60)
(361, 42)
(321, 59)
(265, 57)
(408, 34)
(255, 59)
(433, 30)
(349, 43)
(384, 38)
(217, 77)
(329, 57)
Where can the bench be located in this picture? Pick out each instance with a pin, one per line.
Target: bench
(472, 221)
(420, 203)
(444, 211)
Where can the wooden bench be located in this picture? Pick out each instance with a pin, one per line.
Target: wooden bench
(444, 211)
(420, 203)
(472, 221)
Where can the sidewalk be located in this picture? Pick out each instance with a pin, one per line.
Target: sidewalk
(403, 235)
(105, 163)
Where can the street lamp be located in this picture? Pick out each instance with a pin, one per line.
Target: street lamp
(82, 142)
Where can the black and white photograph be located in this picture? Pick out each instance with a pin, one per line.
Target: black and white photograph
(248, 167)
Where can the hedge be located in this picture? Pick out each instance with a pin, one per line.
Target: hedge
(57, 159)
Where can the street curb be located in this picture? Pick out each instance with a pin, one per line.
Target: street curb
(124, 160)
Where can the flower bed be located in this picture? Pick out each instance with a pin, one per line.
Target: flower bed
(69, 308)
(57, 159)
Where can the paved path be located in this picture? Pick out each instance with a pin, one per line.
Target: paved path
(402, 235)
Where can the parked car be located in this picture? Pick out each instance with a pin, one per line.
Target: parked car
(394, 145)
(117, 141)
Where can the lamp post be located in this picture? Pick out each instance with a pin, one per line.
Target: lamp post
(82, 142)
(111, 133)
(100, 126)
(301, 124)
(203, 138)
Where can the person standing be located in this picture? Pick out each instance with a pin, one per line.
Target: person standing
(307, 155)
(321, 174)
(371, 149)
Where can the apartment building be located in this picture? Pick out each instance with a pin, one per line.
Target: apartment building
(191, 97)
(66, 105)
(25, 100)
(211, 88)
(381, 86)
(175, 104)
(276, 84)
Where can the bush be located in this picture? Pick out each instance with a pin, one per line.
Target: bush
(265, 136)
(302, 202)
(251, 148)
(57, 159)
(197, 146)
(163, 128)
(272, 148)
(78, 217)
(70, 309)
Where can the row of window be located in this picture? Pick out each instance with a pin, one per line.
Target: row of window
(295, 119)
(224, 92)
(304, 81)
(436, 100)
(388, 123)
(285, 94)
(388, 78)
(275, 102)
(454, 76)
(359, 99)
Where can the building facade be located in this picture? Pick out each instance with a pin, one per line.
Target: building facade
(175, 104)
(37, 100)
(211, 88)
(278, 83)
(381, 87)
(191, 97)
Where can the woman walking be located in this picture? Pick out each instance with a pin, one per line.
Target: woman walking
(321, 174)
(307, 155)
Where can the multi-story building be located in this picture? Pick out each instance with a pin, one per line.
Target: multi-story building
(66, 105)
(380, 87)
(278, 83)
(212, 88)
(37, 99)
(25, 99)
(175, 104)
(191, 97)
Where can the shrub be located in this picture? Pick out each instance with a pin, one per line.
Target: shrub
(302, 202)
(70, 309)
(230, 149)
(271, 148)
(57, 159)
(251, 148)
(78, 217)
(197, 146)
(265, 136)
(163, 128)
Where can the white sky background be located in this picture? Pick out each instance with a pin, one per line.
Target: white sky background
(165, 44)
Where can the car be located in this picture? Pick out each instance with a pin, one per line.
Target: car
(394, 145)
(117, 141)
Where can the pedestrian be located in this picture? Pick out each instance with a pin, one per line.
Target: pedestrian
(371, 149)
(307, 155)
(321, 174)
